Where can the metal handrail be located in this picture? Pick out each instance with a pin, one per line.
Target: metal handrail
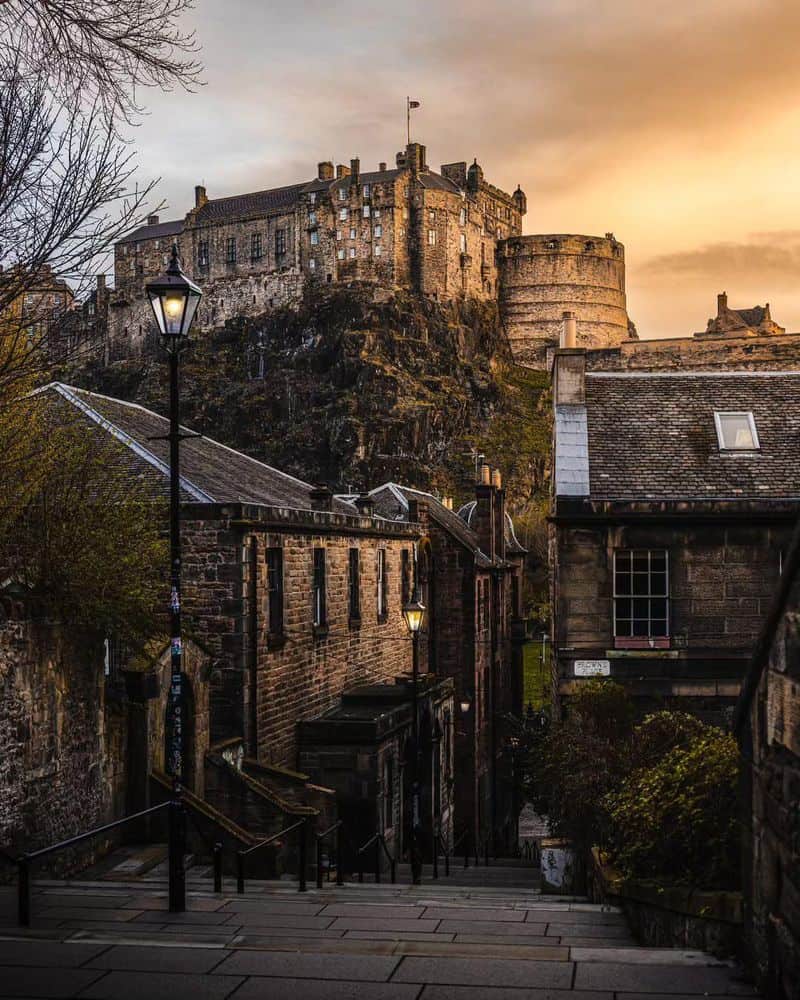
(341, 834)
(439, 841)
(24, 862)
(465, 837)
(215, 849)
(379, 841)
(241, 855)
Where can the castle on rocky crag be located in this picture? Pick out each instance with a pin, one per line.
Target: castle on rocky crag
(445, 235)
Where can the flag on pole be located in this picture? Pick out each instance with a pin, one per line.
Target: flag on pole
(413, 104)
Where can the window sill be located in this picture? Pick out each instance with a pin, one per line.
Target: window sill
(641, 642)
(276, 640)
(320, 631)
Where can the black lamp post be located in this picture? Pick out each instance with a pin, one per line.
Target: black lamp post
(174, 300)
(414, 613)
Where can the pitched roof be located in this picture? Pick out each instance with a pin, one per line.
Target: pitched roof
(751, 317)
(467, 512)
(251, 205)
(161, 230)
(211, 472)
(654, 436)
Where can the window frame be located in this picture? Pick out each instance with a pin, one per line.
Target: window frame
(256, 247)
(751, 422)
(275, 592)
(281, 242)
(649, 640)
(319, 587)
(230, 250)
(354, 586)
(381, 585)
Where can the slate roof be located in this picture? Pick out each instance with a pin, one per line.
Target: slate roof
(653, 435)
(251, 205)
(161, 230)
(211, 472)
(751, 317)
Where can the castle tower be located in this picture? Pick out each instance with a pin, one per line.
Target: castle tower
(542, 277)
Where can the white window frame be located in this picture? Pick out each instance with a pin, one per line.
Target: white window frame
(648, 597)
(314, 238)
(338, 234)
(312, 264)
(365, 212)
(366, 190)
(343, 214)
(352, 253)
(377, 249)
(340, 253)
(431, 237)
(353, 232)
(751, 421)
(342, 194)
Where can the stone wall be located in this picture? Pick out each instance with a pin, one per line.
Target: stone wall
(721, 581)
(61, 741)
(543, 276)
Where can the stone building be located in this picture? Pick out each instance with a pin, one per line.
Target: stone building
(470, 568)
(403, 226)
(673, 499)
(293, 599)
(542, 277)
(755, 322)
(768, 728)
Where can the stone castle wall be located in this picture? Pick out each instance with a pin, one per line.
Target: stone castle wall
(541, 277)
(762, 353)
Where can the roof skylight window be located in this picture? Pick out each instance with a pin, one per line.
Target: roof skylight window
(736, 431)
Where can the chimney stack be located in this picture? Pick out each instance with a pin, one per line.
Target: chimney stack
(200, 196)
(342, 171)
(355, 170)
(365, 505)
(722, 303)
(325, 170)
(569, 332)
(381, 167)
(101, 282)
(485, 478)
(321, 497)
(484, 516)
(497, 479)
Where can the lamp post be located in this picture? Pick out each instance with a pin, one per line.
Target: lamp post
(174, 300)
(414, 613)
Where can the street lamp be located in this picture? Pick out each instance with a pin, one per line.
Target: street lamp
(414, 614)
(174, 300)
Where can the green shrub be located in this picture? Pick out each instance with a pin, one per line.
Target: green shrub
(676, 819)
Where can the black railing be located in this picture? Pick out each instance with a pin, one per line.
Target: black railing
(341, 836)
(377, 841)
(214, 850)
(302, 826)
(439, 843)
(464, 838)
(176, 839)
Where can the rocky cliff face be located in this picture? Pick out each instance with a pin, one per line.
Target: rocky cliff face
(357, 387)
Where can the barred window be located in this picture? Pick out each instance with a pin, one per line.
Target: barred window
(641, 593)
(320, 610)
(275, 590)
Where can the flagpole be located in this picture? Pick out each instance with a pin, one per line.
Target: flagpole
(408, 119)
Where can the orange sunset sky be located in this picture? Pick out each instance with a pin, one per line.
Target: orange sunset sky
(674, 125)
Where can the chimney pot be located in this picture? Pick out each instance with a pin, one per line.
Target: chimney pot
(497, 479)
(569, 334)
(486, 475)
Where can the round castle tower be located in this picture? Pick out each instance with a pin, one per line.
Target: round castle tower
(541, 277)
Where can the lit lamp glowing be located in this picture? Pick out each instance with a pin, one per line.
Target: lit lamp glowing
(414, 612)
(174, 299)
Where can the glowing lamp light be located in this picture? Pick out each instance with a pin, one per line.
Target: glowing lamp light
(174, 299)
(414, 613)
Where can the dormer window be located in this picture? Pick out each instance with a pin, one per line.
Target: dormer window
(736, 431)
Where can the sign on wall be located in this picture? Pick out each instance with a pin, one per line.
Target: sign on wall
(592, 668)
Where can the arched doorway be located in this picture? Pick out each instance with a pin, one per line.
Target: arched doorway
(187, 707)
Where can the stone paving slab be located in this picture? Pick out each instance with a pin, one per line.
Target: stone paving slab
(374, 935)
(387, 911)
(323, 989)
(361, 968)
(485, 972)
(587, 930)
(437, 992)
(79, 913)
(161, 986)
(450, 913)
(594, 919)
(250, 920)
(47, 954)
(246, 905)
(652, 979)
(490, 927)
(364, 924)
(197, 905)
(264, 933)
(641, 956)
(190, 917)
(23, 981)
(156, 959)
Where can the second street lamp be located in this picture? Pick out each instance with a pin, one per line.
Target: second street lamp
(174, 300)
(414, 614)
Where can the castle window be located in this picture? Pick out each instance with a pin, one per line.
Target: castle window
(381, 596)
(376, 213)
(365, 212)
(462, 242)
(736, 431)
(352, 252)
(312, 218)
(342, 194)
(319, 597)
(377, 249)
(314, 238)
(338, 234)
(431, 237)
(230, 250)
(255, 246)
(275, 590)
(366, 190)
(401, 231)
(280, 242)
(353, 233)
(431, 216)
(462, 217)
(405, 212)
(354, 593)
(202, 253)
(312, 265)
(343, 214)
(378, 231)
(340, 254)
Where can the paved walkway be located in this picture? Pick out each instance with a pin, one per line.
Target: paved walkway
(371, 942)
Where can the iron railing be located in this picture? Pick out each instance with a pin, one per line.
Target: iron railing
(439, 843)
(302, 826)
(377, 841)
(341, 836)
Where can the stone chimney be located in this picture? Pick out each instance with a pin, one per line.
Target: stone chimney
(355, 171)
(325, 170)
(101, 282)
(365, 505)
(321, 497)
(569, 331)
(484, 517)
(499, 514)
(415, 157)
(200, 196)
(569, 376)
(722, 303)
(342, 171)
(381, 167)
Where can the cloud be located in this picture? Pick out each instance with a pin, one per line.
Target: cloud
(771, 259)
